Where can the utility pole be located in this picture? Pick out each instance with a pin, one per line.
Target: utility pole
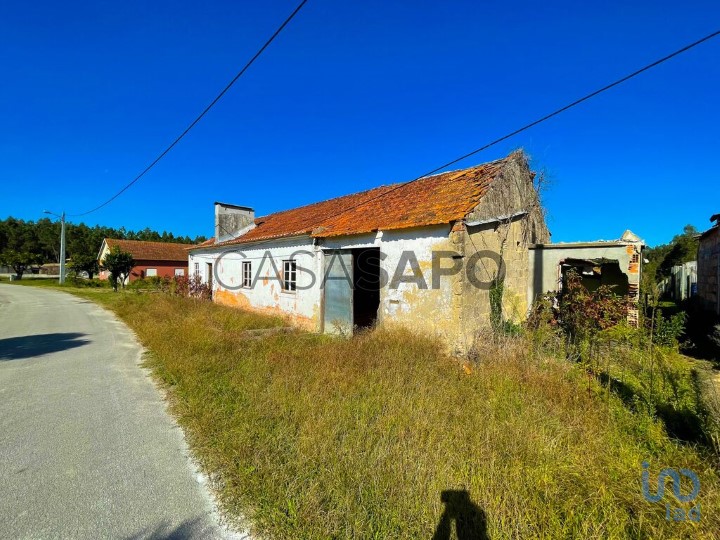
(62, 244)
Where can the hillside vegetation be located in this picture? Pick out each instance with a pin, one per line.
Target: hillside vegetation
(385, 436)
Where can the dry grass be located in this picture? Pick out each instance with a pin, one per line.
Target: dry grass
(313, 437)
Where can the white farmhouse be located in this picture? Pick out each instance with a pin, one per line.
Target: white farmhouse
(424, 254)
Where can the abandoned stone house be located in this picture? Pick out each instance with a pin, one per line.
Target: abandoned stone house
(423, 254)
(708, 267)
(616, 263)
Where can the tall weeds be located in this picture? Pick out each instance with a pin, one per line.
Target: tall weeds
(317, 437)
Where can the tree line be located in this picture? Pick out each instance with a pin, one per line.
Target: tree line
(681, 249)
(25, 244)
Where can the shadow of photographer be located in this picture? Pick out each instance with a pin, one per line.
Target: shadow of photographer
(469, 519)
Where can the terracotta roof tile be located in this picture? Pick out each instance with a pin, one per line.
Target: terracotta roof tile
(155, 251)
(208, 242)
(432, 200)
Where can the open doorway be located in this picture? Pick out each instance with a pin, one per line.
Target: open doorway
(595, 273)
(366, 286)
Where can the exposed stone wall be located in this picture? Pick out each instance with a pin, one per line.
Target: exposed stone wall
(707, 269)
(509, 219)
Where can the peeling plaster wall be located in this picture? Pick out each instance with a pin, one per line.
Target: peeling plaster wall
(266, 296)
(425, 310)
(510, 220)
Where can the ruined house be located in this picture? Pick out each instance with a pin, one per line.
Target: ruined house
(616, 263)
(708, 267)
(424, 254)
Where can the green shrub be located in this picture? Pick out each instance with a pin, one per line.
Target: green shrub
(667, 332)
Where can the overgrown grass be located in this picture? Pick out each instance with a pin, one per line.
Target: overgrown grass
(315, 437)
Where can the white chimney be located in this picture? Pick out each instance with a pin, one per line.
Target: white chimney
(230, 220)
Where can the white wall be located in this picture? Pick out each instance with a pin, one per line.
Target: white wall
(266, 259)
(305, 303)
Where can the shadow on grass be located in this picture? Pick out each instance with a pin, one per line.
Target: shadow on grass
(18, 348)
(684, 424)
(469, 519)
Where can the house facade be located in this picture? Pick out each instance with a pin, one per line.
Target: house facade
(162, 259)
(422, 254)
(708, 267)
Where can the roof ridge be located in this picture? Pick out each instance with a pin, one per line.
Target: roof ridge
(149, 241)
(395, 184)
(328, 200)
(428, 200)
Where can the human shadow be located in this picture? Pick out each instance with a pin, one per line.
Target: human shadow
(17, 348)
(470, 520)
(190, 529)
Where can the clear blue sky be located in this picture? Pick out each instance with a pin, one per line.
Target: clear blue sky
(354, 95)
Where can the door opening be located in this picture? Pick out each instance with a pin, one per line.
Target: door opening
(210, 276)
(366, 286)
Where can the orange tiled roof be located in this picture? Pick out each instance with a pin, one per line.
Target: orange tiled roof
(152, 251)
(208, 242)
(431, 200)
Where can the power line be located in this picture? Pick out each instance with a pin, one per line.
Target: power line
(200, 116)
(540, 120)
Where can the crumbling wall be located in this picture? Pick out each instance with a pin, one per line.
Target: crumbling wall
(545, 267)
(494, 241)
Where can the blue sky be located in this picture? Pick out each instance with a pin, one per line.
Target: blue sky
(354, 95)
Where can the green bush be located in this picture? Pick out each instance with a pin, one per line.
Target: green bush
(667, 332)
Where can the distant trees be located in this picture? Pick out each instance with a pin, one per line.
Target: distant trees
(20, 261)
(119, 263)
(41, 240)
(681, 249)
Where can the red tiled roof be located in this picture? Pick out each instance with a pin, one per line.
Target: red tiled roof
(152, 251)
(208, 242)
(431, 200)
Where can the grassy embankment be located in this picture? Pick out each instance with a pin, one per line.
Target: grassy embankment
(314, 437)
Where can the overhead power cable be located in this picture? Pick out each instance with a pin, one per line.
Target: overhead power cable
(200, 116)
(539, 120)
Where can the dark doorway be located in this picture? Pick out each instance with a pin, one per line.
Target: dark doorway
(366, 286)
(210, 277)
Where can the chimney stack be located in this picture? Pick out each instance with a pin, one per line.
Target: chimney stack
(231, 219)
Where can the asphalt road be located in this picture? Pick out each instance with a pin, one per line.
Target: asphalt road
(87, 449)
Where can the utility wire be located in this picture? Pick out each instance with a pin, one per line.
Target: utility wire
(205, 111)
(539, 120)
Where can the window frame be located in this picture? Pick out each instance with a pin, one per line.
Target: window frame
(246, 275)
(148, 274)
(197, 268)
(289, 276)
